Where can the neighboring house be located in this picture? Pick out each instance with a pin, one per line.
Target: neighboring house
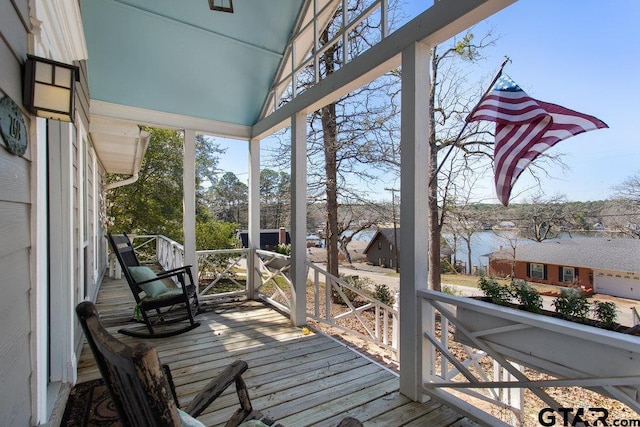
(380, 250)
(269, 239)
(606, 266)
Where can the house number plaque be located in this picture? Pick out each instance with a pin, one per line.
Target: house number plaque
(12, 127)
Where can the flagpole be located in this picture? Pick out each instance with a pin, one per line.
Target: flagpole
(466, 121)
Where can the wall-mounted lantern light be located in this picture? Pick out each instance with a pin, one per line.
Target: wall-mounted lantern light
(49, 88)
(221, 5)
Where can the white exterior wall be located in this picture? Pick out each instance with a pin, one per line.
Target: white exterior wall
(15, 234)
(76, 260)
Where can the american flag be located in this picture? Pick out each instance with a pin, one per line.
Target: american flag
(525, 128)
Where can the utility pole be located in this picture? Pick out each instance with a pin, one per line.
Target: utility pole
(395, 228)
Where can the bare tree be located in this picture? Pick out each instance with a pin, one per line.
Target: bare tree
(349, 135)
(541, 218)
(355, 219)
(463, 220)
(450, 100)
(629, 189)
(627, 207)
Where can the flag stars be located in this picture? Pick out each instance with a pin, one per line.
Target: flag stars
(504, 83)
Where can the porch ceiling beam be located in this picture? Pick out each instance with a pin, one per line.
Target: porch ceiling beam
(437, 24)
(142, 116)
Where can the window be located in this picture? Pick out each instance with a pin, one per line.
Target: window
(536, 271)
(568, 274)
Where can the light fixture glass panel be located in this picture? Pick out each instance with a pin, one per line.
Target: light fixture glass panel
(63, 77)
(51, 97)
(44, 72)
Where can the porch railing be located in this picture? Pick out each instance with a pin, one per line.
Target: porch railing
(336, 302)
(224, 274)
(275, 285)
(481, 350)
(476, 360)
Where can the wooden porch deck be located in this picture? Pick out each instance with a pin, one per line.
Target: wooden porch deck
(295, 379)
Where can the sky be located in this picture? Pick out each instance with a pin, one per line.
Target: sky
(580, 54)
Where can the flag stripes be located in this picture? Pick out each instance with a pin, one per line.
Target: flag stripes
(525, 128)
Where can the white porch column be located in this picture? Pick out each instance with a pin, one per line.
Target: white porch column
(254, 214)
(189, 200)
(299, 217)
(413, 230)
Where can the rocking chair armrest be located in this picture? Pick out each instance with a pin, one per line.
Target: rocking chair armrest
(175, 270)
(231, 374)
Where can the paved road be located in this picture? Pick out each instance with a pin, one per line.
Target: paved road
(385, 276)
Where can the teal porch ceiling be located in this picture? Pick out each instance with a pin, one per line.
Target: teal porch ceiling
(178, 56)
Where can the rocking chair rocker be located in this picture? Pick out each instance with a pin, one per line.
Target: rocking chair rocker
(158, 305)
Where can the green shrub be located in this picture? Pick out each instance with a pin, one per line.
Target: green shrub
(572, 304)
(527, 296)
(498, 294)
(383, 294)
(606, 313)
(450, 290)
(355, 282)
(215, 234)
(283, 249)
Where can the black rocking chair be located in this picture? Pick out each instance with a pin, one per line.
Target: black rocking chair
(142, 389)
(158, 305)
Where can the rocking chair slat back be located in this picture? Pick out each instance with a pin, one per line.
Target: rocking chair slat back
(142, 388)
(133, 375)
(126, 256)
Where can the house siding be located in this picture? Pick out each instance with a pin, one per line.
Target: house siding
(502, 268)
(15, 217)
(383, 256)
(381, 249)
(24, 368)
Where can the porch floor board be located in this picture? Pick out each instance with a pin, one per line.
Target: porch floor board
(295, 379)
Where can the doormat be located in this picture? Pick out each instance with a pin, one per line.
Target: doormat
(89, 404)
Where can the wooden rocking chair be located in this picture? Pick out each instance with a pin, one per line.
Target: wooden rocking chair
(142, 388)
(157, 304)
